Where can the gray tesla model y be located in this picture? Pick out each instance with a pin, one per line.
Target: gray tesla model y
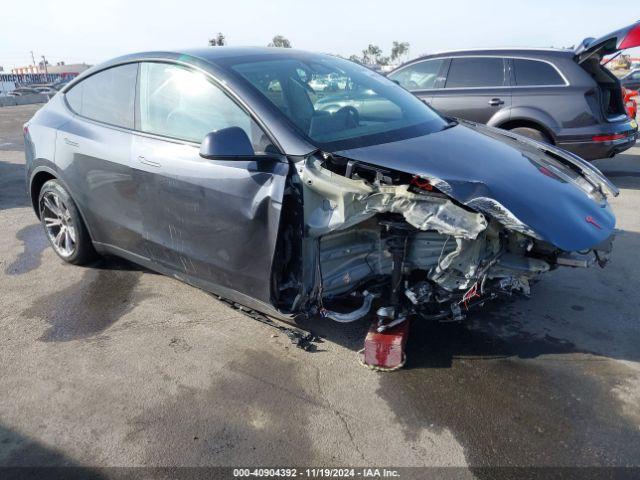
(289, 181)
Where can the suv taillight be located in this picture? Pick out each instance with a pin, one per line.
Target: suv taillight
(608, 138)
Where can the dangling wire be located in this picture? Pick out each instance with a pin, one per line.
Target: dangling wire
(320, 280)
(444, 245)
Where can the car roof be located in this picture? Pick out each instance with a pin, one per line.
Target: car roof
(502, 51)
(203, 57)
(215, 53)
(495, 51)
(211, 55)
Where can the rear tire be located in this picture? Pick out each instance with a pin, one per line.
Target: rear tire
(63, 224)
(533, 133)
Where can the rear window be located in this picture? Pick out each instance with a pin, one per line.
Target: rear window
(535, 72)
(107, 96)
(475, 72)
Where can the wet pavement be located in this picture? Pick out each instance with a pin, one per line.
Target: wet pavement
(116, 365)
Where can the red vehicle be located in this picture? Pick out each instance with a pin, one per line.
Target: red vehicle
(630, 101)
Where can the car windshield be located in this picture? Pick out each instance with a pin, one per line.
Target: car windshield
(336, 103)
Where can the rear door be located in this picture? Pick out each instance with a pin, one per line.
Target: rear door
(632, 81)
(421, 78)
(476, 88)
(212, 220)
(539, 85)
(94, 151)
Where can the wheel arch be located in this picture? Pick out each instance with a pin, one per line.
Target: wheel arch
(528, 123)
(529, 116)
(42, 175)
(38, 178)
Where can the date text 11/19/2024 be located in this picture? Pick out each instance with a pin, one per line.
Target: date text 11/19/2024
(316, 472)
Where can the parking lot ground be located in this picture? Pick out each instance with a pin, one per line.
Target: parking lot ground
(113, 365)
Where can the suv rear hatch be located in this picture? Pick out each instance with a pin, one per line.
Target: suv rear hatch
(607, 99)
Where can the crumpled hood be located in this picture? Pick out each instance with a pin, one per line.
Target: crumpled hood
(505, 176)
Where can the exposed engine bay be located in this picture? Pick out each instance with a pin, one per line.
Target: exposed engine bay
(364, 234)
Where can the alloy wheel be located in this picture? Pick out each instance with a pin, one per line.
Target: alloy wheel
(58, 224)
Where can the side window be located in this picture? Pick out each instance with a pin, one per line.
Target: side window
(182, 103)
(107, 96)
(475, 72)
(534, 72)
(74, 98)
(419, 76)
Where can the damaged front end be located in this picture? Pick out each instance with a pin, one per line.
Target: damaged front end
(368, 234)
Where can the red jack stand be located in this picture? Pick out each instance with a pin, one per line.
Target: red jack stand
(386, 350)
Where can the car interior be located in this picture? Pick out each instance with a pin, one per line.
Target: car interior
(330, 109)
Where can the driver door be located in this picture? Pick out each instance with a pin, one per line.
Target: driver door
(208, 221)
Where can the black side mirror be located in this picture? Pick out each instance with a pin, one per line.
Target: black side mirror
(226, 143)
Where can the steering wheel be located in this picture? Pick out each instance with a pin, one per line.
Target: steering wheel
(351, 116)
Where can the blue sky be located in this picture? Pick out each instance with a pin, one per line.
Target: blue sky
(93, 31)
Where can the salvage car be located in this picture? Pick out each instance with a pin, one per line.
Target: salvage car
(630, 102)
(21, 91)
(631, 80)
(223, 168)
(564, 97)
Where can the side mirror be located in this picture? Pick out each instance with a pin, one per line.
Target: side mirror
(225, 144)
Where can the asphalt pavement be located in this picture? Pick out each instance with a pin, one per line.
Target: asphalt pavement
(113, 365)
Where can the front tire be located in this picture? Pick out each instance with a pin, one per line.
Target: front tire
(63, 224)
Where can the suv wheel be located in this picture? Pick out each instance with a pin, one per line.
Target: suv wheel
(63, 224)
(532, 133)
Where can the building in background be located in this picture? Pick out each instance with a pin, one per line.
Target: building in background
(26, 69)
(41, 74)
(59, 68)
(66, 69)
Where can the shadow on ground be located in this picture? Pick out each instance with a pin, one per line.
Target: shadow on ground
(628, 180)
(13, 193)
(34, 241)
(243, 414)
(25, 458)
(105, 292)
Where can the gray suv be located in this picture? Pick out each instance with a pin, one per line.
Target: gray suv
(562, 97)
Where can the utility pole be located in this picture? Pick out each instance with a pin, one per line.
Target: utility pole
(46, 71)
(33, 59)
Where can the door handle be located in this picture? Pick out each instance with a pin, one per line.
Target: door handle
(494, 102)
(146, 161)
(70, 142)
